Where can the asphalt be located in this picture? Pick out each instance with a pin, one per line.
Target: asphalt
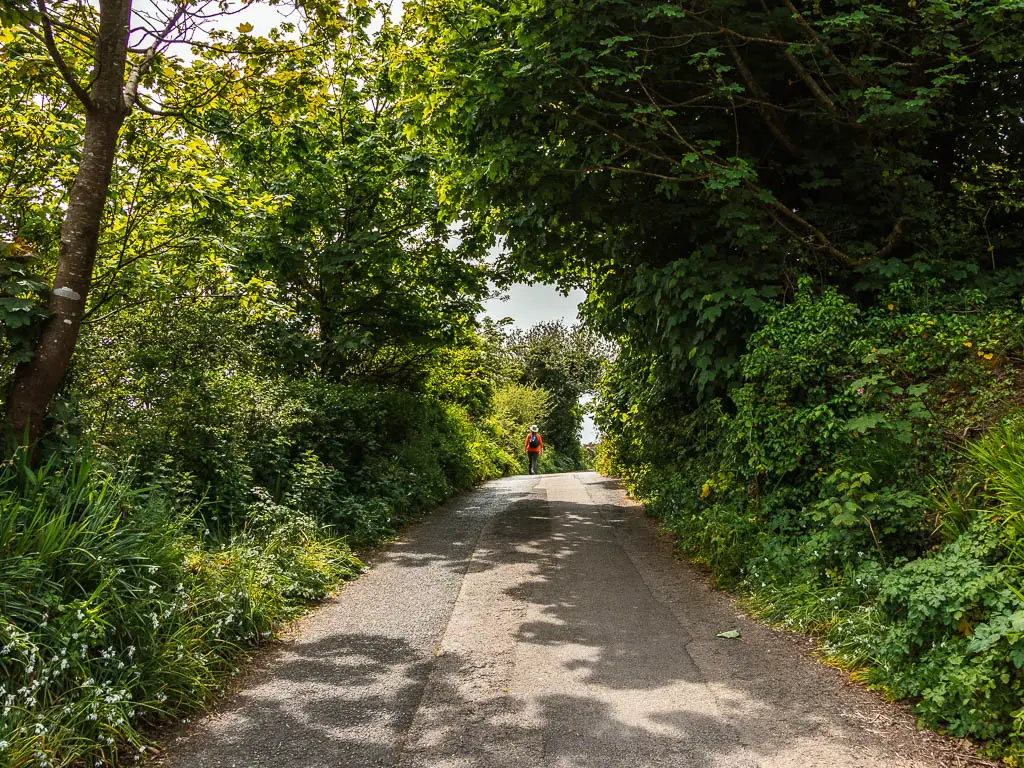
(542, 621)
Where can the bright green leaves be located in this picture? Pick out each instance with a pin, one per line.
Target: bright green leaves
(564, 363)
(355, 237)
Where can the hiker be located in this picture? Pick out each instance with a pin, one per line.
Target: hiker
(534, 447)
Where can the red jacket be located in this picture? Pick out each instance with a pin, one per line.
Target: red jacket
(540, 444)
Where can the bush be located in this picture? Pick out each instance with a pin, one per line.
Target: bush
(516, 408)
(126, 597)
(834, 487)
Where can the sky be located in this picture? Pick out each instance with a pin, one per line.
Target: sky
(528, 305)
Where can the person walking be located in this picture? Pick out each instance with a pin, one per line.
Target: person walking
(534, 448)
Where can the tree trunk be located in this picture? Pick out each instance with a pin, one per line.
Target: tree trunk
(37, 381)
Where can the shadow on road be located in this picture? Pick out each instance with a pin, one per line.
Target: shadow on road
(638, 677)
(552, 730)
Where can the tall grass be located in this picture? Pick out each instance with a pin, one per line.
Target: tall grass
(1000, 456)
(115, 612)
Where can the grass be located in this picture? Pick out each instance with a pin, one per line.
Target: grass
(116, 612)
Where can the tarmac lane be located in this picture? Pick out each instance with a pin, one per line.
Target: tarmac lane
(542, 621)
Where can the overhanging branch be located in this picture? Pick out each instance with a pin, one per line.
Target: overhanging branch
(58, 60)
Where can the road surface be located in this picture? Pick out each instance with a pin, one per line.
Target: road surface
(541, 621)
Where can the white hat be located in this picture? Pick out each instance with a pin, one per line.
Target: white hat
(533, 428)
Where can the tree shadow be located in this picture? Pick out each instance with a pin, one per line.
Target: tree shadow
(610, 659)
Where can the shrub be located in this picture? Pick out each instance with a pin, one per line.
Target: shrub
(516, 408)
(850, 487)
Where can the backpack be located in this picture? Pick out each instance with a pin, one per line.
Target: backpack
(534, 440)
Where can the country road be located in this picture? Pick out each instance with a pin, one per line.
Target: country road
(541, 621)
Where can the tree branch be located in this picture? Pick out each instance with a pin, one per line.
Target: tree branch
(154, 111)
(819, 94)
(812, 33)
(764, 108)
(131, 88)
(890, 243)
(51, 47)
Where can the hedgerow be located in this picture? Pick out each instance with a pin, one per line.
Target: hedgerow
(863, 482)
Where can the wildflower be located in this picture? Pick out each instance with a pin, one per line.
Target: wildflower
(860, 390)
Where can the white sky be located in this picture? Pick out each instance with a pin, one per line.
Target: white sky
(528, 305)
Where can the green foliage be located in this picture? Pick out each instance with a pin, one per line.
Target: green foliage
(280, 341)
(999, 457)
(792, 222)
(950, 640)
(692, 166)
(249, 477)
(115, 612)
(21, 307)
(828, 487)
(516, 408)
(564, 363)
(353, 237)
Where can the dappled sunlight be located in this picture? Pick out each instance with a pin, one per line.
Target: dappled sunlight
(563, 633)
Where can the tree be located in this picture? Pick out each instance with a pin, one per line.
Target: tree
(356, 242)
(105, 56)
(691, 162)
(565, 363)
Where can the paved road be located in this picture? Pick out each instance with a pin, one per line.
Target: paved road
(540, 621)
